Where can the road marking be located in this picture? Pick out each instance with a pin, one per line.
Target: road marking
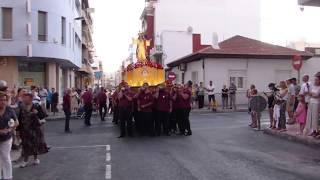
(79, 147)
(108, 171)
(108, 157)
(108, 148)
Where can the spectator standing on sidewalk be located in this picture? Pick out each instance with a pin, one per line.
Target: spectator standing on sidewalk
(194, 95)
(55, 101)
(232, 93)
(225, 96)
(305, 89)
(210, 89)
(313, 109)
(43, 94)
(87, 99)
(8, 122)
(201, 95)
(271, 104)
(291, 100)
(283, 97)
(74, 101)
(49, 100)
(301, 113)
(249, 95)
(67, 110)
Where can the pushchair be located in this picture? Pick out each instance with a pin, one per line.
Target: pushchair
(81, 113)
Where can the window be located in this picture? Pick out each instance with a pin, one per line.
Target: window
(42, 26)
(238, 77)
(7, 23)
(194, 77)
(70, 36)
(63, 30)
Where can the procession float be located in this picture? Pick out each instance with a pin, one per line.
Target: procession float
(144, 70)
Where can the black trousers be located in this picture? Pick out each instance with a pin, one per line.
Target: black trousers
(147, 123)
(103, 111)
(173, 120)
(201, 101)
(137, 121)
(115, 114)
(67, 122)
(88, 114)
(183, 120)
(125, 115)
(162, 122)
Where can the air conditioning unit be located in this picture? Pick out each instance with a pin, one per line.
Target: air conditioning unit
(29, 50)
(28, 6)
(29, 30)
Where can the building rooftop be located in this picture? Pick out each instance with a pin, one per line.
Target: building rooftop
(243, 47)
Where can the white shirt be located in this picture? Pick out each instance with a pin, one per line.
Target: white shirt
(282, 92)
(305, 89)
(210, 89)
(315, 90)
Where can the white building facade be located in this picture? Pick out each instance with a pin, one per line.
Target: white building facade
(40, 42)
(191, 23)
(240, 60)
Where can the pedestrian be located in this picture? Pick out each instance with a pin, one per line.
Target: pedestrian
(163, 106)
(201, 90)
(125, 99)
(102, 103)
(249, 95)
(43, 94)
(145, 103)
(74, 101)
(232, 94)
(31, 118)
(301, 114)
(282, 101)
(36, 97)
(175, 107)
(291, 100)
(305, 89)
(313, 107)
(67, 109)
(194, 95)
(49, 100)
(225, 96)
(55, 101)
(255, 116)
(271, 104)
(210, 90)
(87, 99)
(8, 122)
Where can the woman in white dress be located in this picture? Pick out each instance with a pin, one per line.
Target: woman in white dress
(74, 101)
(313, 108)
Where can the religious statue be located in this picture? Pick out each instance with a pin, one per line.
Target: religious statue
(142, 45)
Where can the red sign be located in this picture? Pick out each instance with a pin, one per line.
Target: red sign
(172, 76)
(297, 62)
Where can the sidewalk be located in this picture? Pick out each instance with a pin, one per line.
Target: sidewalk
(240, 108)
(291, 135)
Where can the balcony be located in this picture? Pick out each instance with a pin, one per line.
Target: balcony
(87, 17)
(309, 3)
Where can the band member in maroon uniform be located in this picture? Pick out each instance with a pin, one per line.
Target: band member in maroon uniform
(125, 106)
(87, 99)
(163, 106)
(184, 108)
(102, 102)
(145, 102)
(115, 106)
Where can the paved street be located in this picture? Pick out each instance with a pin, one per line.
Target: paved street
(222, 147)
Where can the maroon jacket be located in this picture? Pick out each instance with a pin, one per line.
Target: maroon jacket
(163, 101)
(145, 98)
(66, 102)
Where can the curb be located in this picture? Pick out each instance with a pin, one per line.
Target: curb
(218, 112)
(298, 139)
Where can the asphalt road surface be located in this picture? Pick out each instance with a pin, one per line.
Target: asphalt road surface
(222, 148)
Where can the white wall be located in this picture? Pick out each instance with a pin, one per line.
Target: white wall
(260, 72)
(311, 66)
(175, 45)
(53, 47)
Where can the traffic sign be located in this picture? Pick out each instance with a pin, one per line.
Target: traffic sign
(172, 76)
(297, 62)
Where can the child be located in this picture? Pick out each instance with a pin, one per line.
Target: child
(301, 113)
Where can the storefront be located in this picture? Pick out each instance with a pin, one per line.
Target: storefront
(31, 74)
